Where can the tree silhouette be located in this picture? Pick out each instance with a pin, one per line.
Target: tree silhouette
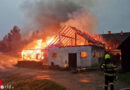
(11, 41)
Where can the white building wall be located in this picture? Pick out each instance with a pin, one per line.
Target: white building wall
(63, 52)
(62, 55)
(95, 59)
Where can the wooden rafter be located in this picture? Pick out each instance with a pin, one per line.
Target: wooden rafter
(68, 35)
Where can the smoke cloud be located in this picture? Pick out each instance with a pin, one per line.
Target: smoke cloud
(82, 20)
(47, 15)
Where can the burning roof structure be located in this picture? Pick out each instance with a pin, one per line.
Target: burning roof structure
(70, 36)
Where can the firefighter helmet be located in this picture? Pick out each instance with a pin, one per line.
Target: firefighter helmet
(107, 56)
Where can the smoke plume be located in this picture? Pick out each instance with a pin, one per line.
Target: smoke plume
(47, 15)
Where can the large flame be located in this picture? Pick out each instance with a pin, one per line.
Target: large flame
(35, 50)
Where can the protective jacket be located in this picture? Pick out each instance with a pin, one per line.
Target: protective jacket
(109, 69)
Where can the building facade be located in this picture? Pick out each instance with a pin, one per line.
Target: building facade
(74, 57)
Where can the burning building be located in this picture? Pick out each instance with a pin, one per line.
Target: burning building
(70, 47)
(56, 20)
(75, 49)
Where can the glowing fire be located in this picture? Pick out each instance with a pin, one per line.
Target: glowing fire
(38, 44)
(50, 40)
(35, 51)
(32, 55)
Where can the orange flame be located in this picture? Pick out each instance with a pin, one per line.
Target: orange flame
(35, 52)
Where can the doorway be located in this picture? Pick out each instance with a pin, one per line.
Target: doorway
(72, 60)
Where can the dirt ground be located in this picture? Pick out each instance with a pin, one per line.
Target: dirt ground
(81, 81)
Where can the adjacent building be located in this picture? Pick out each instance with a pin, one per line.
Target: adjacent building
(125, 54)
(113, 40)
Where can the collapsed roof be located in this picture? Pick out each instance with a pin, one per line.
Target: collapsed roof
(70, 36)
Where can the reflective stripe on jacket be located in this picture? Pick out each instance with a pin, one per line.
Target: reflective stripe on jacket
(108, 69)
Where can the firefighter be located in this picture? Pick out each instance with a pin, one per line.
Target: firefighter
(109, 72)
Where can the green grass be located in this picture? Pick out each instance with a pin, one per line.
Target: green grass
(124, 77)
(37, 85)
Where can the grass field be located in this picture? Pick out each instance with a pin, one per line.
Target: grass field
(37, 85)
(124, 77)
